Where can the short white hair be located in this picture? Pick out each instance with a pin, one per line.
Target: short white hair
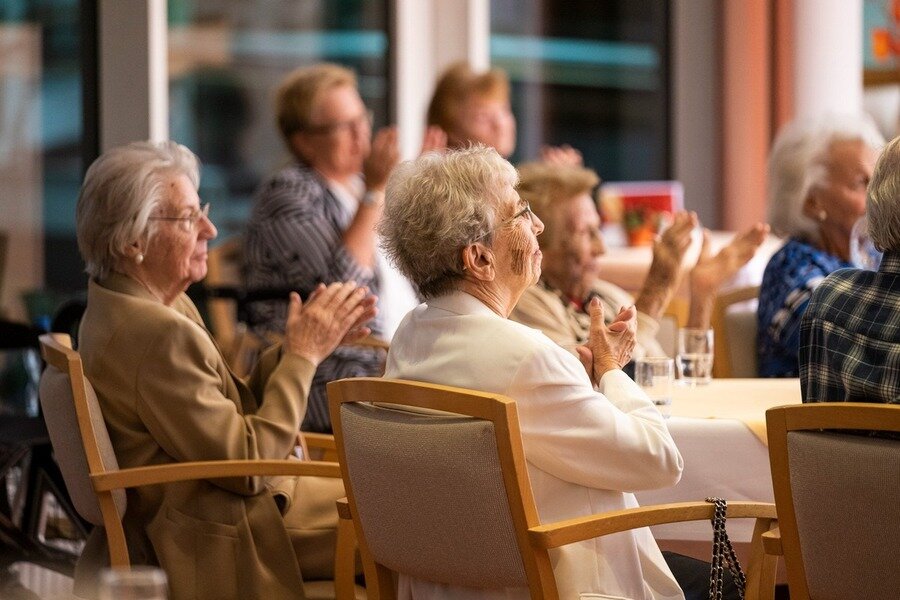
(121, 189)
(438, 204)
(797, 164)
(883, 199)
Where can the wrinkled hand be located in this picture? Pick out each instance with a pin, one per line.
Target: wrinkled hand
(609, 346)
(561, 156)
(435, 139)
(711, 272)
(382, 159)
(330, 315)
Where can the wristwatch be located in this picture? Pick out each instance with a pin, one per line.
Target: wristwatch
(371, 198)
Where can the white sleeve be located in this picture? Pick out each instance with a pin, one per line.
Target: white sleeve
(614, 439)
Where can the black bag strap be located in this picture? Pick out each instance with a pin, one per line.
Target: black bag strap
(723, 555)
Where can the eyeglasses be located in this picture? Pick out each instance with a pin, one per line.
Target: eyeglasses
(526, 211)
(365, 118)
(190, 221)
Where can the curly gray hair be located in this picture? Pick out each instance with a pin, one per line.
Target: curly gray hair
(797, 164)
(438, 204)
(121, 189)
(883, 199)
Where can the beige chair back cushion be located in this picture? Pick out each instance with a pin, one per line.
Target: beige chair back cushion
(58, 406)
(846, 491)
(430, 496)
(741, 325)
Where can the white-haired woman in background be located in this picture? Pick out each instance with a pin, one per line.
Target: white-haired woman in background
(818, 174)
(168, 396)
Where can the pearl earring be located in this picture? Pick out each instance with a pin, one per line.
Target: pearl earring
(139, 258)
(822, 215)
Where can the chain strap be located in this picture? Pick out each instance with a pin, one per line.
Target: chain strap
(723, 555)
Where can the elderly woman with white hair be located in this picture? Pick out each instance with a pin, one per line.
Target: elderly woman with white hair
(818, 174)
(454, 225)
(850, 334)
(167, 394)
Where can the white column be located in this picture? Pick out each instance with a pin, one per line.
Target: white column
(432, 34)
(828, 56)
(133, 57)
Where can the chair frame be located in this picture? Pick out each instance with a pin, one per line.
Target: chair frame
(57, 351)
(534, 539)
(723, 365)
(785, 540)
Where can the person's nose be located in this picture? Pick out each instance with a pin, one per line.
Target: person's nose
(208, 231)
(536, 224)
(599, 246)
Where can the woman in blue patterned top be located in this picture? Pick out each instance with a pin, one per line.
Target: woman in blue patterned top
(818, 173)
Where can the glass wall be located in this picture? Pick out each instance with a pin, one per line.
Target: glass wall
(225, 59)
(591, 74)
(40, 148)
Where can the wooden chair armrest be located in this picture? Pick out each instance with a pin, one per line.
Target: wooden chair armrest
(772, 542)
(325, 441)
(554, 535)
(216, 469)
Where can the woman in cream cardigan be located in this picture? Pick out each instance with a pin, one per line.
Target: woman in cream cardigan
(167, 394)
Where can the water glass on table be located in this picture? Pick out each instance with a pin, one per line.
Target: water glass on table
(656, 376)
(136, 583)
(695, 356)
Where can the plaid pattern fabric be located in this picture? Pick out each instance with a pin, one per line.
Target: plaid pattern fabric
(788, 282)
(850, 337)
(294, 239)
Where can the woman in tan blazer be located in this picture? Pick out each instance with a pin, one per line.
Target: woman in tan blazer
(167, 394)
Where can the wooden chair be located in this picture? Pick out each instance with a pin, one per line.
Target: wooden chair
(837, 493)
(91, 472)
(445, 496)
(239, 346)
(734, 353)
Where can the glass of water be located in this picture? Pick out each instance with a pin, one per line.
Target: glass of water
(656, 376)
(695, 356)
(136, 583)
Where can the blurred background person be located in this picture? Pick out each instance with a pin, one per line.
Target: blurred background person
(572, 244)
(473, 107)
(850, 333)
(168, 396)
(314, 220)
(818, 173)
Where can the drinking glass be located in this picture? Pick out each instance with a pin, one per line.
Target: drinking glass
(137, 583)
(656, 376)
(695, 356)
(863, 253)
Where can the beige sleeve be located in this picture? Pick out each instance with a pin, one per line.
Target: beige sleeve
(181, 398)
(534, 310)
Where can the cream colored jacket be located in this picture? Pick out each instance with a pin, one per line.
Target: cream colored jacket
(586, 450)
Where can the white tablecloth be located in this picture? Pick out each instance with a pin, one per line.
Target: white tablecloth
(722, 456)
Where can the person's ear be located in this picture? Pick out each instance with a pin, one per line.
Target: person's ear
(812, 206)
(478, 262)
(301, 145)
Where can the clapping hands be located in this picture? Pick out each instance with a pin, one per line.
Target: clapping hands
(330, 316)
(609, 346)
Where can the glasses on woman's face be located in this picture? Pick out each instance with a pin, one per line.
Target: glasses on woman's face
(350, 125)
(525, 211)
(188, 222)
